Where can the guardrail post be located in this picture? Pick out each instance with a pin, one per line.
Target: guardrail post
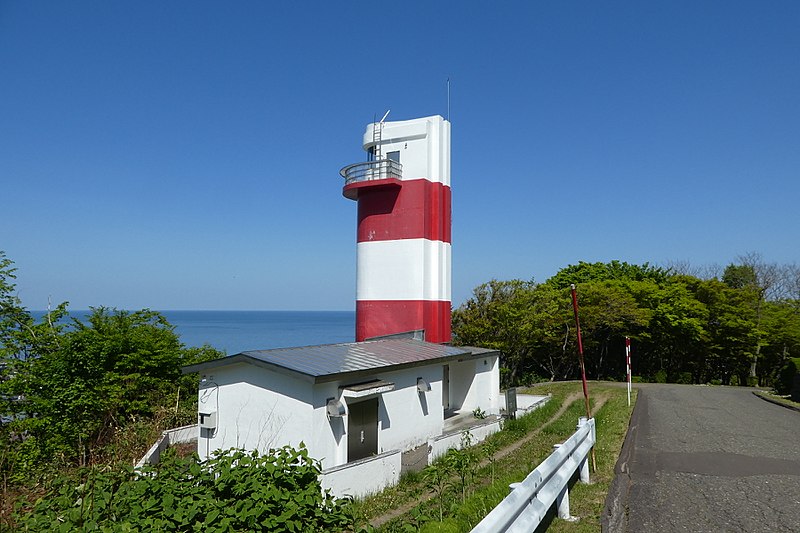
(562, 500)
(583, 468)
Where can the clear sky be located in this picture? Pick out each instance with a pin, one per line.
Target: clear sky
(185, 155)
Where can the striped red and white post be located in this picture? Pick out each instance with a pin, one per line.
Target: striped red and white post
(403, 237)
(628, 366)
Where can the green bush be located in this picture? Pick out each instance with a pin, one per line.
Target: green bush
(785, 381)
(233, 491)
(660, 377)
(685, 378)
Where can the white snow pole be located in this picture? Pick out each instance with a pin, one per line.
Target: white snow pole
(628, 366)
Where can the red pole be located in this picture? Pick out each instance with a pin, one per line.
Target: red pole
(580, 349)
(583, 368)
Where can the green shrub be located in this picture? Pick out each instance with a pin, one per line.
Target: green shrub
(233, 491)
(785, 381)
(685, 378)
(660, 377)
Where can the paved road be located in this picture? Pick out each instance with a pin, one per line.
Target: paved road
(707, 459)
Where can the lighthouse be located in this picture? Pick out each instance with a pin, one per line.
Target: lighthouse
(403, 253)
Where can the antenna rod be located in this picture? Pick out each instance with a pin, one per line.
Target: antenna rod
(448, 99)
(384, 116)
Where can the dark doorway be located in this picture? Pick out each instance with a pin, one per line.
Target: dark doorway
(362, 429)
(446, 387)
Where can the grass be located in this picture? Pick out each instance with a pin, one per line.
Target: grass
(783, 400)
(588, 501)
(489, 481)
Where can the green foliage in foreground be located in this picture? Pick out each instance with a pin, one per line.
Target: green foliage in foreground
(233, 491)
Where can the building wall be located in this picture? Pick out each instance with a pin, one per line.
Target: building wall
(259, 409)
(256, 409)
(424, 146)
(475, 383)
(406, 416)
(328, 442)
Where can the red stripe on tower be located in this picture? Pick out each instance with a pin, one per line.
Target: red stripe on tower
(403, 237)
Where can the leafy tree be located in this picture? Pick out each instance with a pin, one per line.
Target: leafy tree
(615, 270)
(20, 336)
(608, 313)
(762, 281)
(102, 375)
(498, 316)
(676, 334)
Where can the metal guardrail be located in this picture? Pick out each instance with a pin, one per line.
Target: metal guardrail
(526, 506)
(372, 170)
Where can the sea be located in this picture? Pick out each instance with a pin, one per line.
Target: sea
(238, 331)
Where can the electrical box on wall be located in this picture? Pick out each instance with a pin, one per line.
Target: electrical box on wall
(207, 420)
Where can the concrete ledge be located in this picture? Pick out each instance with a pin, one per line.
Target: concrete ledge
(168, 438)
(440, 445)
(363, 477)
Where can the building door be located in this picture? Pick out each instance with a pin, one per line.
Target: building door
(362, 429)
(446, 387)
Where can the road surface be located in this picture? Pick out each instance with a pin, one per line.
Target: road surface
(707, 459)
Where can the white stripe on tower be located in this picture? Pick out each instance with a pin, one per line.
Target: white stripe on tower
(410, 269)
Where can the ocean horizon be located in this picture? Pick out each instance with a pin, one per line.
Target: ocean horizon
(238, 331)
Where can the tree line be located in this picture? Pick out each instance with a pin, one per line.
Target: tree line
(738, 325)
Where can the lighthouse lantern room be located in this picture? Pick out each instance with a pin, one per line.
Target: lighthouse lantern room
(403, 238)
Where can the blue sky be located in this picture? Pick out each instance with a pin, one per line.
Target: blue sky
(185, 155)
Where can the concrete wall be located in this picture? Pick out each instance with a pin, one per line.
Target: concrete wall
(256, 409)
(329, 435)
(168, 438)
(440, 445)
(406, 416)
(475, 383)
(364, 477)
(424, 146)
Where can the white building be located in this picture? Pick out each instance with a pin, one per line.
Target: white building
(346, 402)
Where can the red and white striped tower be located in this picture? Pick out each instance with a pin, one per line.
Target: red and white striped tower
(403, 250)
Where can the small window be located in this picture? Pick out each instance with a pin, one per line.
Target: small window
(394, 156)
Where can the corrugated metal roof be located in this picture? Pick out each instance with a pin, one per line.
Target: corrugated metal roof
(357, 357)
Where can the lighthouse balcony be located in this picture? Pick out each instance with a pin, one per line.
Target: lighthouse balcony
(372, 174)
